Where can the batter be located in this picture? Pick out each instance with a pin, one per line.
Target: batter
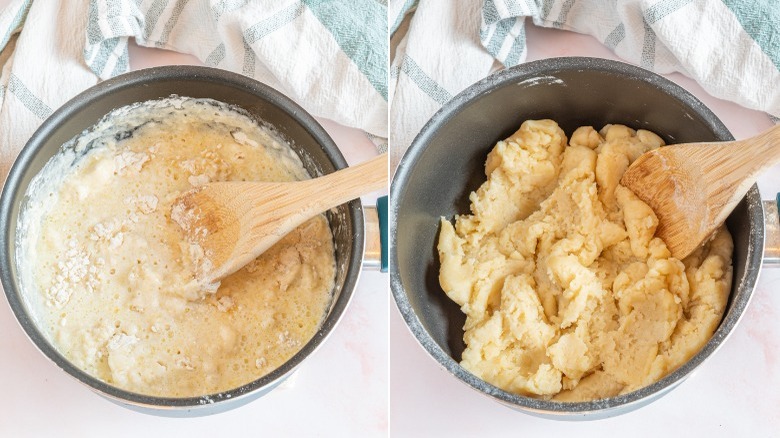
(567, 293)
(116, 277)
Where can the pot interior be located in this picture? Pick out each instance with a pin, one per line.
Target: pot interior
(446, 162)
(309, 140)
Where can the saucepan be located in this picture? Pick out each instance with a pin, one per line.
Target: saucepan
(317, 150)
(446, 162)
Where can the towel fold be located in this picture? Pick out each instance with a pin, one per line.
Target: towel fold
(328, 56)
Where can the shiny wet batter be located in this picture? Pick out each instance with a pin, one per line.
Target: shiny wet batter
(115, 276)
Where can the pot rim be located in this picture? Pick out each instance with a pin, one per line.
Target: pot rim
(156, 404)
(549, 408)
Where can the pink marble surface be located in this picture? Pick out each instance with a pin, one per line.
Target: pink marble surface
(341, 390)
(735, 393)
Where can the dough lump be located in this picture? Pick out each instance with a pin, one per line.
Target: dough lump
(567, 293)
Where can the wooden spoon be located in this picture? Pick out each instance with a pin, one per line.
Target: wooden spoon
(234, 222)
(693, 187)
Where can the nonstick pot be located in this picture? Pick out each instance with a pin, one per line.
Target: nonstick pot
(446, 162)
(317, 150)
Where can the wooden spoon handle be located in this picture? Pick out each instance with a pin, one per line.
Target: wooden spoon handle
(347, 184)
(764, 148)
(246, 218)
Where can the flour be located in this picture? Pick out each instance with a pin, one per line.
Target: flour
(70, 273)
(146, 204)
(130, 162)
(198, 180)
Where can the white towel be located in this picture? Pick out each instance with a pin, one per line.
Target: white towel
(330, 57)
(730, 47)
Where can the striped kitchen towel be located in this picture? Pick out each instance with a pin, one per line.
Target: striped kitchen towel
(330, 56)
(730, 47)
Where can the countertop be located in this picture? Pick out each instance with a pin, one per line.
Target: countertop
(735, 393)
(340, 390)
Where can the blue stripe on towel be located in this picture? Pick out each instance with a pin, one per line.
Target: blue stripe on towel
(21, 16)
(648, 47)
(564, 14)
(761, 20)
(408, 5)
(500, 33)
(226, 6)
(94, 36)
(424, 82)
(152, 15)
(270, 24)
(360, 30)
(617, 35)
(248, 68)
(662, 9)
(28, 99)
(516, 52)
(216, 56)
(105, 50)
(177, 8)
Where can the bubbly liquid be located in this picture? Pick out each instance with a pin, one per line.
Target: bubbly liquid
(116, 275)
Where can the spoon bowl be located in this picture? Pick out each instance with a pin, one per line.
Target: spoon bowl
(693, 187)
(234, 222)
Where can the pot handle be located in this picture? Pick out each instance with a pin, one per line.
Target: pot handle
(375, 256)
(772, 227)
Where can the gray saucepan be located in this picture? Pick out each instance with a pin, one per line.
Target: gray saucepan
(445, 163)
(317, 150)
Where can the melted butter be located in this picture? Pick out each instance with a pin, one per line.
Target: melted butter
(115, 276)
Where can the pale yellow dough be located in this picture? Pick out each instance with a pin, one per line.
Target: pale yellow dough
(567, 293)
(116, 276)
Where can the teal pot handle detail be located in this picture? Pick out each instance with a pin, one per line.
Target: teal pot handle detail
(376, 252)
